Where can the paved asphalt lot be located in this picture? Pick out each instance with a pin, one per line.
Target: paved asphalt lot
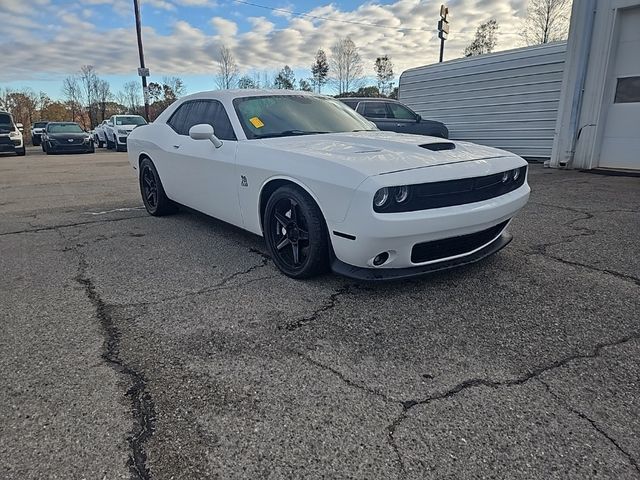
(171, 348)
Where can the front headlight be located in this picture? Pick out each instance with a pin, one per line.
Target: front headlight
(122, 132)
(87, 139)
(381, 197)
(14, 135)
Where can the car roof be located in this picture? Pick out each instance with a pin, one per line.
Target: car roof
(62, 123)
(368, 99)
(224, 95)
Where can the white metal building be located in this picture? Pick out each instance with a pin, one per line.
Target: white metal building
(575, 104)
(599, 114)
(507, 99)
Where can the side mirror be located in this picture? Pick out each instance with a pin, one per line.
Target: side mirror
(418, 118)
(204, 131)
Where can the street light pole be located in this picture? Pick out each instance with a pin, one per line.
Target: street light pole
(142, 71)
(443, 28)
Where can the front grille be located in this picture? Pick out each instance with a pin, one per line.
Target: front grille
(451, 247)
(5, 141)
(449, 193)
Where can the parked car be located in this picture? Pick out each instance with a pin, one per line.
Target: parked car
(11, 140)
(66, 137)
(118, 128)
(394, 116)
(36, 132)
(324, 187)
(99, 135)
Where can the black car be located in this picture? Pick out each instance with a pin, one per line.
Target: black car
(392, 115)
(66, 137)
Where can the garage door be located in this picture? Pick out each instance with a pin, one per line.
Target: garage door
(621, 138)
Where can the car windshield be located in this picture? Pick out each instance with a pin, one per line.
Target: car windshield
(64, 128)
(131, 120)
(5, 123)
(288, 115)
(40, 124)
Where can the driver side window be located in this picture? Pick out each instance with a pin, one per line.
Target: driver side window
(196, 112)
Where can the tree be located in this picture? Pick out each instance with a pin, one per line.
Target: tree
(320, 70)
(370, 91)
(346, 65)
(485, 40)
(246, 82)
(286, 79)
(546, 21)
(103, 96)
(304, 85)
(72, 93)
(88, 80)
(173, 88)
(227, 69)
(384, 71)
(130, 96)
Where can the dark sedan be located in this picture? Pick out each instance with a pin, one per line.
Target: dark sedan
(392, 115)
(66, 137)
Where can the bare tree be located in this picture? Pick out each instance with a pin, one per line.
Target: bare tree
(384, 71)
(89, 85)
(130, 96)
(73, 95)
(320, 70)
(546, 21)
(485, 40)
(227, 69)
(103, 96)
(174, 87)
(346, 65)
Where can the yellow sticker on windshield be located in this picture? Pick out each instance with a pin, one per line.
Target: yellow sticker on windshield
(256, 122)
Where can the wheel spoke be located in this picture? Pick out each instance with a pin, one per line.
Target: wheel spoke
(283, 243)
(296, 253)
(284, 221)
(294, 213)
(303, 234)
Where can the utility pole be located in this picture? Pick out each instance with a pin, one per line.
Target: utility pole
(142, 71)
(443, 28)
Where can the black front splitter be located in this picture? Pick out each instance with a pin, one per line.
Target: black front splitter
(387, 274)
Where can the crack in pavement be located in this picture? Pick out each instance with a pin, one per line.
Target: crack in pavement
(328, 305)
(542, 248)
(68, 225)
(220, 285)
(480, 382)
(344, 378)
(593, 423)
(143, 407)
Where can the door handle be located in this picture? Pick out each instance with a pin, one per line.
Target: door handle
(176, 146)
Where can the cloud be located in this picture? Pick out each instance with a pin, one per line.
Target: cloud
(406, 31)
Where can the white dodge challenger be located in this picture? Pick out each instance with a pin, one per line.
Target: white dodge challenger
(326, 188)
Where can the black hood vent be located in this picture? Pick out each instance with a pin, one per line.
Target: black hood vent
(438, 146)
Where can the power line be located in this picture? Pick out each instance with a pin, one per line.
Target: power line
(316, 17)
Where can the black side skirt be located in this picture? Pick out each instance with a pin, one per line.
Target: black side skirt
(382, 274)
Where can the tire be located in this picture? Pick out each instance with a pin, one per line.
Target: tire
(100, 143)
(156, 204)
(22, 153)
(305, 233)
(109, 144)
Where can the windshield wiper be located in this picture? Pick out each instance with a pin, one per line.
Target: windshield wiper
(287, 133)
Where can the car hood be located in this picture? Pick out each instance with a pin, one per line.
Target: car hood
(128, 128)
(376, 152)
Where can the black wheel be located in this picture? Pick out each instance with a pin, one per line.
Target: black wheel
(295, 233)
(153, 196)
(109, 144)
(22, 153)
(100, 144)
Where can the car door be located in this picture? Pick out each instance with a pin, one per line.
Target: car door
(198, 174)
(376, 112)
(403, 119)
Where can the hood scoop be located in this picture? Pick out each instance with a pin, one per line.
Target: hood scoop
(438, 146)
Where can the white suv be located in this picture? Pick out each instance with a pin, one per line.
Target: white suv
(99, 134)
(118, 128)
(10, 135)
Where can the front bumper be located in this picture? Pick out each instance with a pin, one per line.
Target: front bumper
(70, 148)
(381, 274)
(10, 145)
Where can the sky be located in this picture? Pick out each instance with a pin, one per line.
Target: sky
(43, 41)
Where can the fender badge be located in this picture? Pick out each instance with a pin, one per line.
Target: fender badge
(243, 181)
